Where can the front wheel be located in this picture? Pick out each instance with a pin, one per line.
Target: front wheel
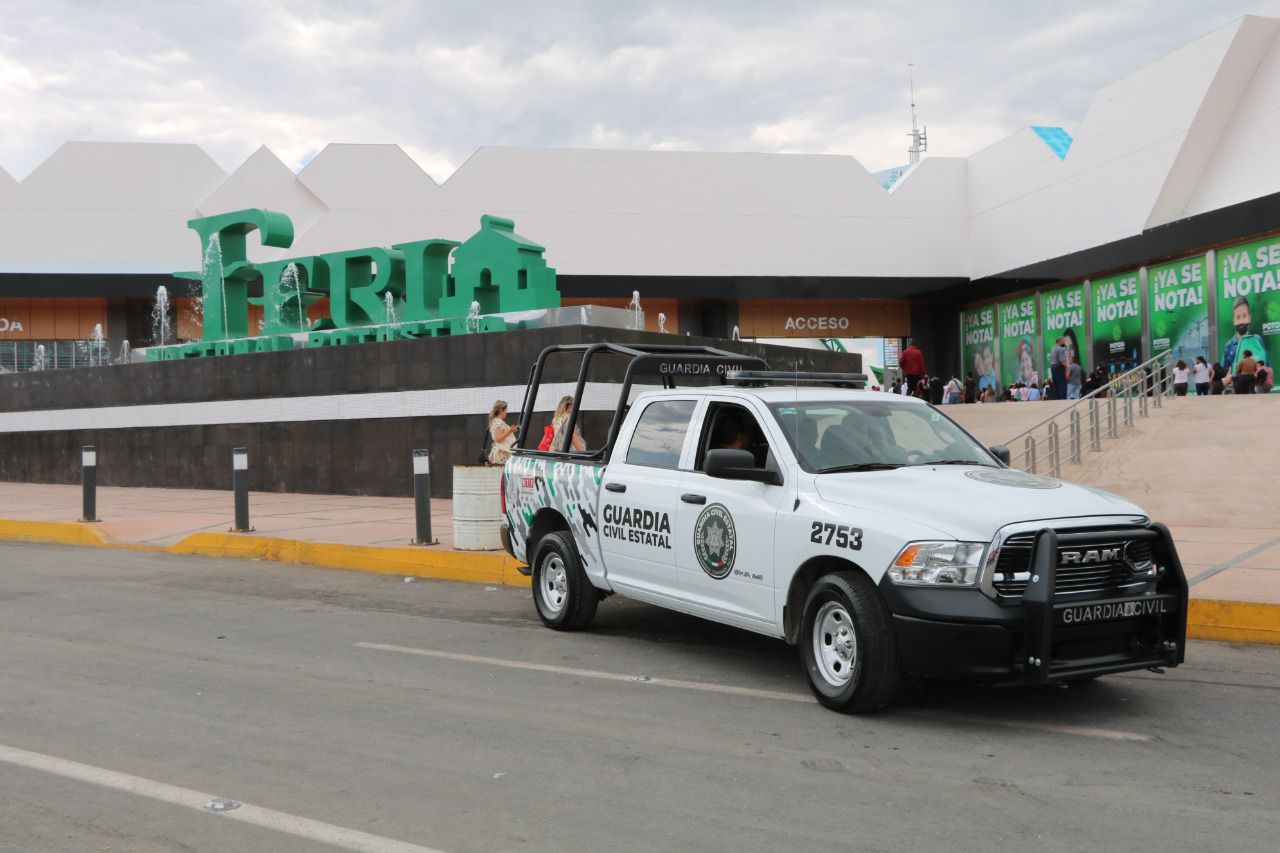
(847, 644)
(565, 599)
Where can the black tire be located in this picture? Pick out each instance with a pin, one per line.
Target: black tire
(564, 598)
(847, 644)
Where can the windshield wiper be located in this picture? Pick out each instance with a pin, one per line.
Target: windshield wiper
(956, 462)
(861, 466)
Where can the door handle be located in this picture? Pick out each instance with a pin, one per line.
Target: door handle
(693, 499)
(615, 487)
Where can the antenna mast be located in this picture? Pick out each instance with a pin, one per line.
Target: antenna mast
(919, 136)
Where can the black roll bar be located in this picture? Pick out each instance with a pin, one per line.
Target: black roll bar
(677, 358)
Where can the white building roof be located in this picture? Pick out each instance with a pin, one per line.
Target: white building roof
(1186, 135)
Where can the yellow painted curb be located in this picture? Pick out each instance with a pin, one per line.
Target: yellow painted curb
(52, 532)
(422, 562)
(1233, 621)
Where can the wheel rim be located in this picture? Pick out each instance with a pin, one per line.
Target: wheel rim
(553, 588)
(835, 645)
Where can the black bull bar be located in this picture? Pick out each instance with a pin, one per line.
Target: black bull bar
(1167, 609)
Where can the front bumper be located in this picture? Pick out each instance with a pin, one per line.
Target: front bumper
(963, 634)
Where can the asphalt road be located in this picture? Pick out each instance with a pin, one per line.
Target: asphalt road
(352, 711)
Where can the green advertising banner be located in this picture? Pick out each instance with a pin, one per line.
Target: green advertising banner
(1178, 309)
(1062, 315)
(1249, 302)
(978, 346)
(1019, 361)
(1117, 323)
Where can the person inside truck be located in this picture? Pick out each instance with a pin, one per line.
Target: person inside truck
(730, 433)
(734, 428)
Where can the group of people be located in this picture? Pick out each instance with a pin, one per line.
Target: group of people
(500, 437)
(1251, 376)
(1248, 374)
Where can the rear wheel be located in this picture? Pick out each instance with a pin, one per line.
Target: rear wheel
(847, 644)
(565, 599)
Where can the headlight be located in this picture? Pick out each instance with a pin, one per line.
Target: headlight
(949, 564)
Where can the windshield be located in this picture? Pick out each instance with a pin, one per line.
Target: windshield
(867, 435)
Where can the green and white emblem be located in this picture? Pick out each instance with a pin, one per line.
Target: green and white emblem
(715, 542)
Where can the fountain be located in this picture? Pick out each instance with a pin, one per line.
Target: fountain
(736, 336)
(291, 284)
(37, 361)
(124, 352)
(212, 256)
(390, 301)
(473, 318)
(287, 311)
(160, 318)
(662, 323)
(637, 313)
(96, 339)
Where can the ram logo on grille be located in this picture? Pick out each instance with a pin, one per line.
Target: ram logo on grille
(1093, 555)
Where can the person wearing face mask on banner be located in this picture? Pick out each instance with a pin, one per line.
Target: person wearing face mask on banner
(1233, 352)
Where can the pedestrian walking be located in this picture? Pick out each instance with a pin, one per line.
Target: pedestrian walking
(1217, 379)
(1075, 378)
(1202, 375)
(1180, 379)
(1059, 364)
(560, 423)
(912, 364)
(970, 388)
(954, 391)
(1245, 375)
(1266, 377)
(502, 435)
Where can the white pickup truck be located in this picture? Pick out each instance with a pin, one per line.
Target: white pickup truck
(867, 528)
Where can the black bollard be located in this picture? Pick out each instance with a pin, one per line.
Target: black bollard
(422, 497)
(240, 485)
(89, 481)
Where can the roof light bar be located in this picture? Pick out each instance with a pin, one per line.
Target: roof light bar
(792, 377)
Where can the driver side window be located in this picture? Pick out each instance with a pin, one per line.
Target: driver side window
(730, 426)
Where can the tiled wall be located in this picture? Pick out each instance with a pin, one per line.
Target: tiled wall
(370, 456)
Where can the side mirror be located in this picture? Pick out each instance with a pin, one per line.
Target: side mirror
(738, 465)
(1000, 452)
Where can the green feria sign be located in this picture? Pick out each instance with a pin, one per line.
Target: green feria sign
(422, 287)
(1179, 311)
(1117, 322)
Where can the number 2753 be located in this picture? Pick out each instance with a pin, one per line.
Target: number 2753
(843, 535)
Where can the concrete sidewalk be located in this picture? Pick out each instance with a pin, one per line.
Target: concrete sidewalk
(1234, 572)
(339, 531)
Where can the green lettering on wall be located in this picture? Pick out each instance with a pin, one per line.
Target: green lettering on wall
(225, 271)
(358, 280)
(289, 288)
(501, 270)
(426, 270)
(496, 267)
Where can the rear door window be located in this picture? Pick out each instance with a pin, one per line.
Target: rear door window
(660, 434)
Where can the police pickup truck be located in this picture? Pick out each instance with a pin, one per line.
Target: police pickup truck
(866, 528)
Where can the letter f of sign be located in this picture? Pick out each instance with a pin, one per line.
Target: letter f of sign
(225, 271)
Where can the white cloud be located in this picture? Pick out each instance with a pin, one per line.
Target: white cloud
(441, 79)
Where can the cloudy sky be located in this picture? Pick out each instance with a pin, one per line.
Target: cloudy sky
(442, 79)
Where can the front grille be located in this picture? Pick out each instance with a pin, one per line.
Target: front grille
(1013, 568)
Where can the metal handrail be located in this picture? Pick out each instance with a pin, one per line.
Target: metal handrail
(1153, 375)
